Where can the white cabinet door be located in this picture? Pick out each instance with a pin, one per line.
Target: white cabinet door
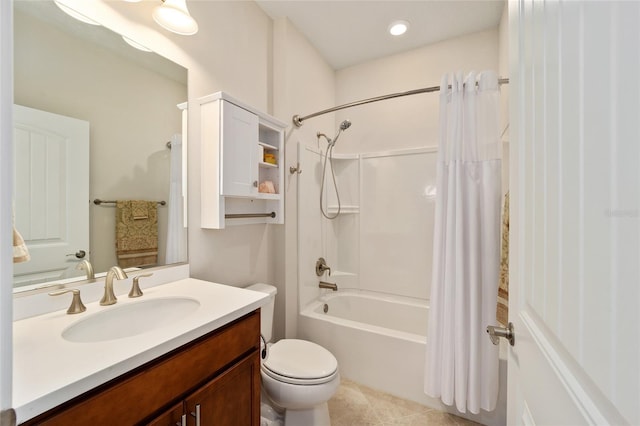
(239, 151)
(575, 210)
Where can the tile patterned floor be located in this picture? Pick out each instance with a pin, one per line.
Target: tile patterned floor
(357, 405)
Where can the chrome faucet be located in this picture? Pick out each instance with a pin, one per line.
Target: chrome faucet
(85, 265)
(109, 297)
(330, 286)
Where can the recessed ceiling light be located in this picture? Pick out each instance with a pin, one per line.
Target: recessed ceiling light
(398, 28)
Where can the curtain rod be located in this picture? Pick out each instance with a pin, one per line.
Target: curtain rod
(297, 120)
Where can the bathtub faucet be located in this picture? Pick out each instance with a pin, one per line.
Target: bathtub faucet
(331, 286)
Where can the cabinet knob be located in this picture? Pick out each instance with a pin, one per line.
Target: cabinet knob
(255, 183)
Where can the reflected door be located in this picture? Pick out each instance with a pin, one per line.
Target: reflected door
(51, 193)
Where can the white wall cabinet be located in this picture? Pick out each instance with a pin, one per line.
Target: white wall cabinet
(241, 164)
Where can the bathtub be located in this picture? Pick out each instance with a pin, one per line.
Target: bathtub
(379, 341)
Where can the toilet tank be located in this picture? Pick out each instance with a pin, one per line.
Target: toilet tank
(266, 312)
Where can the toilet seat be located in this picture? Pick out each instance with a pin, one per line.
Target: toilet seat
(300, 362)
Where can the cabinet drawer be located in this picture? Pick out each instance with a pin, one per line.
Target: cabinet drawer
(150, 388)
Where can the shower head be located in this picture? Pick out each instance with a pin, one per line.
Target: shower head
(343, 126)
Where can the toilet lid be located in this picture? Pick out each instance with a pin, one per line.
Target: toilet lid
(300, 359)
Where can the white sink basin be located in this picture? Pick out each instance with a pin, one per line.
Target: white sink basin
(130, 319)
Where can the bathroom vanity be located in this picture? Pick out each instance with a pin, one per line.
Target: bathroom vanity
(201, 367)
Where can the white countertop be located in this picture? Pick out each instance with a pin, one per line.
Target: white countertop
(49, 370)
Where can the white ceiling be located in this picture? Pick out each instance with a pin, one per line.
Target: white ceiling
(348, 32)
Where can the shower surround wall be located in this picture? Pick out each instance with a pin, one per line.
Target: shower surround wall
(381, 241)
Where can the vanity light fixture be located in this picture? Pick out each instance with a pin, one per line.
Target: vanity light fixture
(398, 28)
(80, 17)
(135, 44)
(174, 16)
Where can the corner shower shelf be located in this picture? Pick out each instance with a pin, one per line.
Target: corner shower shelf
(349, 209)
(343, 274)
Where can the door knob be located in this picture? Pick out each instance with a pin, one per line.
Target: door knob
(495, 333)
(80, 254)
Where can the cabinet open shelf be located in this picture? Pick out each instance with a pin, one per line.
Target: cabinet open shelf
(267, 146)
(267, 165)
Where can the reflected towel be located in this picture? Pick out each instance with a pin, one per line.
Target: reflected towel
(502, 310)
(140, 209)
(20, 250)
(136, 238)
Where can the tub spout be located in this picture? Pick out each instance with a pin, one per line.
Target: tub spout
(331, 286)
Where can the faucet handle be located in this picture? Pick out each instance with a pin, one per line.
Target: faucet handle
(76, 306)
(135, 288)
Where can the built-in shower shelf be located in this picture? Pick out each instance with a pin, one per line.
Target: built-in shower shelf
(336, 274)
(349, 209)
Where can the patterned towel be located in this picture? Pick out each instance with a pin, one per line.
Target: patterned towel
(502, 310)
(136, 236)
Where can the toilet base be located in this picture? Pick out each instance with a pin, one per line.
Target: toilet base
(317, 416)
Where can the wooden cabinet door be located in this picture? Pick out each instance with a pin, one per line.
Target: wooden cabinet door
(171, 417)
(232, 399)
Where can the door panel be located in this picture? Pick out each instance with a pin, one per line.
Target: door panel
(575, 213)
(51, 188)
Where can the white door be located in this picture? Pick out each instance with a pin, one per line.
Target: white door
(51, 192)
(575, 213)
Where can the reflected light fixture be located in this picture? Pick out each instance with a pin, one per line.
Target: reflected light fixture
(174, 16)
(398, 28)
(135, 44)
(80, 17)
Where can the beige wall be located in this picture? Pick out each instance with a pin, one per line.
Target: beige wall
(268, 65)
(303, 83)
(231, 52)
(271, 66)
(411, 121)
(66, 75)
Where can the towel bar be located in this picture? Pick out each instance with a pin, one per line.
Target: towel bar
(247, 215)
(98, 202)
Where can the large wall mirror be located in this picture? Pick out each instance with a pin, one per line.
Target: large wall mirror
(93, 120)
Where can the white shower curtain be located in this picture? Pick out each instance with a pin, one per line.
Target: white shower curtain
(461, 363)
(176, 231)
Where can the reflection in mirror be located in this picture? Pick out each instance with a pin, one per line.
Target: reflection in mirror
(93, 117)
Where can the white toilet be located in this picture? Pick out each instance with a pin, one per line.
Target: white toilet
(298, 376)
